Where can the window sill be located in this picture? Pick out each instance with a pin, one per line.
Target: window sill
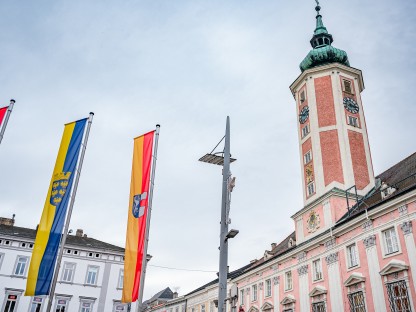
(267, 296)
(354, 267)
(66, 282)
(317, 280)
(91, 285)
(395, 253)
(18, 276)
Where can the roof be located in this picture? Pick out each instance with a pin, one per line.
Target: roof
(84, 242)
(163, 295)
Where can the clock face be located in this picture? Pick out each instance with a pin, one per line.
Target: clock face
(350, 105)
(304, 114)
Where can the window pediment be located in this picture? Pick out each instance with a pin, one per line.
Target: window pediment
(318, 290)
(393, 267)
(288, 300)
(267, 306)
(253, 309)
(354, 278)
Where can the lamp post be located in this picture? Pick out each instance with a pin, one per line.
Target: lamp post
(227, 186)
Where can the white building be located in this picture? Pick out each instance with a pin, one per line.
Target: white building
(90, 278)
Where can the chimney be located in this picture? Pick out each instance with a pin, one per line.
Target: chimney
(273, 245)
(175, 295)
(85, 235)
(7, 221)
(79, 233)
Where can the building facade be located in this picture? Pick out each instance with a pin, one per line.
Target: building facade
(90, 278)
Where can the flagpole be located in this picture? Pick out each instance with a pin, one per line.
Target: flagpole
(68, 217)
(149, 213)
(6, 119)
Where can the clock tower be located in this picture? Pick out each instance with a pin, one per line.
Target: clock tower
(333, 141)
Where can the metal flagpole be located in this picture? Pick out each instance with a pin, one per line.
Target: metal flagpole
(149, 212)
(68, 217)
(223, 268)
(6, 119)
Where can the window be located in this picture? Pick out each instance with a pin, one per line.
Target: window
(11, 302)
(302, 97)
(177, 309)
(347, 86)
(288, 280)
(36, 304)
(68, 272)
(390, 241)
(92, 274)
(254, 290)
(353, 121)
(357, 303)
(317, 271)
(1, 259)
(120, 279)
(21, 264)
(61, 305)
(268, 288)
(318, 307)
(311, 189)
(305, 131)
(307, 157)
(398, 296)
(118, 307)
(241, 296)
(202, 307)
(85, 306)
(352, 259)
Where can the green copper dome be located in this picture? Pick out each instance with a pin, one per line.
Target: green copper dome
(323, 52)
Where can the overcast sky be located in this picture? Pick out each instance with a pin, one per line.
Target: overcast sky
(187, 65)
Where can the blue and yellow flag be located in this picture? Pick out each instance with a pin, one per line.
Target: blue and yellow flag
(51, 224)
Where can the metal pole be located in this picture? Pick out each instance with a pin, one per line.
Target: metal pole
(68, 217)
(223, 267)
(149, 213)
(6, 119)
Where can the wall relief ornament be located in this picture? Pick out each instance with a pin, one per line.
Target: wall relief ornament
(276, 280)
(331, 258)
(303, 269)
(369, 241)
(402, 210)
(261, 285)
(313, 222)
(302, 256)
(330, 243)
(407, 227)
(368, 224)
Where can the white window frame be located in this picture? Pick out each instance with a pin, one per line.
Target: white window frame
(305, 131)
(307, 158)
(96, 276)
(64, 268)
(288, 281)
(66, 299)
(350, 84)
(2, 255)
(8, 293)
(32, 301)
(302, 96)
(317, 270)
(17, 264)
(86, 302)
(351, 256)
(117, 305)
(254, 292)
(202, 308)
(241, 296)
(353, 121)
(268, 288)
(308, 188)
(120, 280)
(386, 251)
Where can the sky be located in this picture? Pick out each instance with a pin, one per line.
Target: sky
(187, 65)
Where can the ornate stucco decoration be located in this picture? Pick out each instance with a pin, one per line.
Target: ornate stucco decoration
(313, 222)
(303, 269)
(330, 243)
(368, 224)
(331, 258)
(302, 256)
(261, 285)
(402, 210)
(407, 227)
(369, 241)
(248, 290)
(276, 280)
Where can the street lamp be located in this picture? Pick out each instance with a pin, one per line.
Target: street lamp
(223, 159)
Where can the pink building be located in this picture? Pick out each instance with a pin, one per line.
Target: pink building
(353, 248)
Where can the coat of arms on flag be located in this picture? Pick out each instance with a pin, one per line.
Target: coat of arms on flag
(138, 210)
(59, 185)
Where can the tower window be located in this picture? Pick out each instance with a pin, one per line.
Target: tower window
(302, 97)
(305, 131)
(311, 188)
(347, 86)
(353, 121)
(307, 157)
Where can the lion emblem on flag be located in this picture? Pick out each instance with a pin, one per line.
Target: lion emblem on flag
(59, 186)
(138, 210)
